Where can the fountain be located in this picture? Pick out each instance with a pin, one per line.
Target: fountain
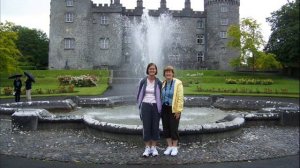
(152, 38)
(118, 115)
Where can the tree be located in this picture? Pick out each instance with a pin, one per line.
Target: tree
(248, 38)
(267, 61)
(9, 53)
(34, 46)
(284, 39)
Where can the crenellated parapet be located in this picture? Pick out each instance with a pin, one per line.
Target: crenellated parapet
(230, 2)
(105, 8)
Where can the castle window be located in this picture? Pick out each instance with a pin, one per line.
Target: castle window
(224, 9)
(104, 43)
(127, 39)
(69, 17)
(69, 43)
(200, 39)
(224, 22)
(200, 57)
(200, 24)
(104, 20)
(223, 34)
(127, 25)
(70, 2)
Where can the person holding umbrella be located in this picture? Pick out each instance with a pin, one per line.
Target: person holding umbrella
(28, 85)
(17, 87)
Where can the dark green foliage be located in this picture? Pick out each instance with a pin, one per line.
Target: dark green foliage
(284, 40)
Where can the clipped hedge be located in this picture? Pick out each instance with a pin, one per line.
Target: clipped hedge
(243, 81)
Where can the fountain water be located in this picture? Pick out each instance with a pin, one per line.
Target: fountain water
(152, 39)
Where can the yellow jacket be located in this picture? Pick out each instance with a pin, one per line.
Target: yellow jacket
(177, 102)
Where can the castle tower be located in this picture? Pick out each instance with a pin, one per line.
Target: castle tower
(163, 4)
(187, 4)
(68, 34)
(117, 2)
(139, 3)
(220, 15)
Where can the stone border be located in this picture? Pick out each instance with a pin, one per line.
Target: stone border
(28, 119)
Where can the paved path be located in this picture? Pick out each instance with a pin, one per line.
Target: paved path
(286, 142)
(16, 162)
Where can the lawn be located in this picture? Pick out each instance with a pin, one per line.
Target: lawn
(196, 82)
(47, 80)
(213, 82)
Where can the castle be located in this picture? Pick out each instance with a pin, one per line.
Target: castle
(84, 35)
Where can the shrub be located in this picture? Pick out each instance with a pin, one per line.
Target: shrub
(284, 91)
(230, 81)
(70, 88)
(249, 81)
(39, 91)
(64, 80)
(62, 89)
(23, 91)
(78, 81)
(8, 91)
(50, 91)
(199, 89)
(267, 82)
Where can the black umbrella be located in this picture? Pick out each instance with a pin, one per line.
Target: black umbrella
(15, 76)
(30, 76)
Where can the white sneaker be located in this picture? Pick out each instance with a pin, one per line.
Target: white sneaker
(154, 151)
(168, 150)
(147, 151)
(174, 151)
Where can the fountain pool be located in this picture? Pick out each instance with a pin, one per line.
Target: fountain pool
(130, 115)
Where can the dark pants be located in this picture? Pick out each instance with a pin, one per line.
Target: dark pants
(150, 118)
(17, 95)
(170, 123)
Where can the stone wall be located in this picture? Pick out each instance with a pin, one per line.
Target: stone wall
(87, 31)
(59, 57)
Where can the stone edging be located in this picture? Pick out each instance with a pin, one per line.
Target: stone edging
(267, 110)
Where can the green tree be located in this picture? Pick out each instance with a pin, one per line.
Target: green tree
(284, 39)
(9, 53)
(248, 38)
(267, 61)
(34, 46)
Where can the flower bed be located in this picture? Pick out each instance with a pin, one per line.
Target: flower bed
(78, 81)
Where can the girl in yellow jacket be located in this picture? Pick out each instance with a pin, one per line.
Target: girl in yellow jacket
(172, 99)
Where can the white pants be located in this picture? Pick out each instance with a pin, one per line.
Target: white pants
(28, 95)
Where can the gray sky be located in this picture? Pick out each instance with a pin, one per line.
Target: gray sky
(35, 13)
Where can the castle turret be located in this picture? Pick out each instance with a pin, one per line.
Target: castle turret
(117, 2)
(187, 4)
(220, 15)
(139, 4)
(163, 4)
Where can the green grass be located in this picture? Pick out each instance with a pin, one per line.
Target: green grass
(47, 79)
(210, 79)
(214, 80)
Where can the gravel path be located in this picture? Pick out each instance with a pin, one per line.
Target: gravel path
(255, 142)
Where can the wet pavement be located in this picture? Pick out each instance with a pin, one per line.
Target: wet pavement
(256, 146)
(79, 146)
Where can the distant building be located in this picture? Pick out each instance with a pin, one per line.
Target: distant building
(84, 35)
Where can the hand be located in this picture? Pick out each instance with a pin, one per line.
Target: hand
(177, 115)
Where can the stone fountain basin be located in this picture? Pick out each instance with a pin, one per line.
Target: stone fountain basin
(28, 115)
